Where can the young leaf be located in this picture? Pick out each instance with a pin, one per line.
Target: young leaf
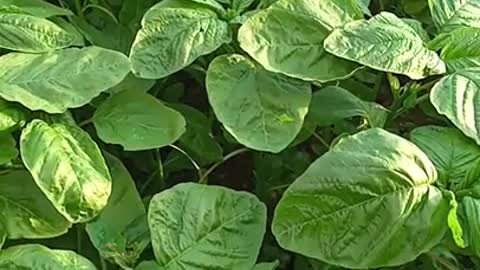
(332, 104)
(8, 149)
(454, 224)
(60, 80)
(68, 167)
(120, 232)
(219, 228)
(27, 33)
(291, 48)
(37, 257)
(363, 204)
(137, 121)
(385, 43)
(25, 212)
(457, 97)
(451, 14)
(38, 8)
(460, 48)
(261, 109)
(172, 38)
(452, 153)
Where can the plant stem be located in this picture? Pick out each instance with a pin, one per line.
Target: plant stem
(442, 261)
(199, 170)
(85, 122)
(103, 263)
(321, 140)
(104, 10)
(427, 85)
(161, 175)
(204, 178)
(78, 7)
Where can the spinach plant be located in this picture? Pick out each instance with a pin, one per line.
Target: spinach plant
(239, 134)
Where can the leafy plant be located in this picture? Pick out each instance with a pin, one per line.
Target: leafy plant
(239, 134)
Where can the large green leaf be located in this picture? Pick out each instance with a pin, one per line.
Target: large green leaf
(137, 121)
(60, 80)
(37, 257)
(120, 232)
(11, 116)
(172, 38)
(27, 33)
(68, 167)
(386, 43)
(8, 149)
(364, 204)
(25, 212)
(261, 109)
(197, 226)
(267, 37)
(332, 104)
(38, 8)
(452, 153)
(451, 14)
(457, 97)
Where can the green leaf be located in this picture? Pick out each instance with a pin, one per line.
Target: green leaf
(213, 4)
(68, 167)
(451, 14)
(417, 26)
(197, 141)
(12, 116)
(132, 83)
(332, 104)
(8, 149)
(172, 38)
(219, 228)
(460, 48)
(364, 6)
(148, 265)
(470, 219)
(37, 257)
(267, 266)
(60, 80)
(120, 232)
(137, 121)
(262, 110)
(452, 153)
(25, 212)
(385, 43)
(364, 204)
(38, 8)
(27, 33)
(70, 28)
(267, 39)
(457, 97)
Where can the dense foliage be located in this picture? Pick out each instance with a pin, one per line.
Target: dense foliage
(239, 134)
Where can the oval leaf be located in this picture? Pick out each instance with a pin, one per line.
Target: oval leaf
(219, 228)
(60, 80)
(364, 204)
(269, 40)
(37, 257)
(457, 96)
(172, 38)
(261, 109)
(25, 212)
(26, 33)
(137, 121)
(385, 43)
(68, 167)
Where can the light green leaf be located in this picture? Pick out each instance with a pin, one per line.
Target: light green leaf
(68, 27)
(364, 204)
(457, 97)
(364, 4)
(197, 141)
(454, 224)
(132, 83)
(68, 167)
(460, 48)
(267, 266)
(269, 40)
(261, 109)
(27, 33)
(213, 4)
(37, 257)
(451, 14)
(8, 149)
(11, 116)
(452, 153)
(60, 80)
(38, 8)
(241, 5)
(332, 104)
(385, 43)
(25, 212)
(172, 38)
(120, 232)
(219, 228)
(137, 121)
(148, 265)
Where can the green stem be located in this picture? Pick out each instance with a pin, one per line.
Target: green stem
(419, 100)
(161, 175)
(103, 263)
(78, 7)
(195, 165)
(104, 10)
(442, 261)
(321, 140)
(427, 86)
(85, 122)
(204, 178)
